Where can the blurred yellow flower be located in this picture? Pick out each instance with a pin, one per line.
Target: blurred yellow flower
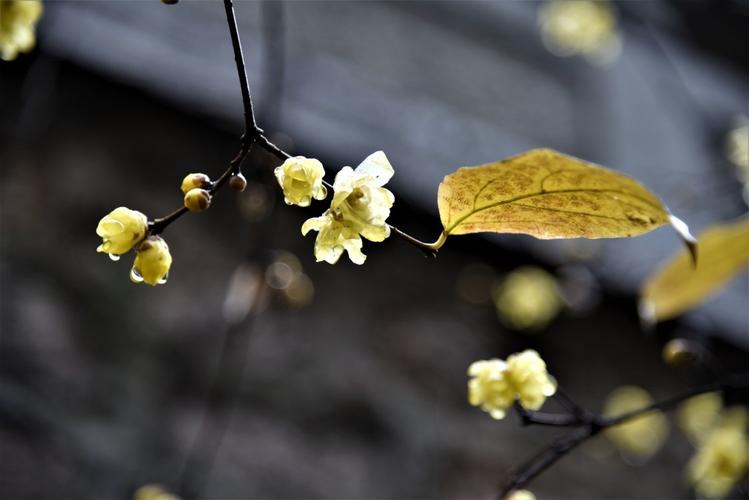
(521, 495)
(153, 492)
(121, 230)
(737, 152)
(18, 20)
(496, 384)
(301, 180)
(642, 436)
(737, 148)
(698, 415)
(360, 207)
(152, 262)
(585, 27)
(722, 458)
(527, 299)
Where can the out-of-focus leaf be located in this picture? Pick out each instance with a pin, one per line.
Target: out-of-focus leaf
(679, 286)
(548, 195)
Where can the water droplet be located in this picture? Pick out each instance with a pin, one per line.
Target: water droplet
(135, 276)
(114, 257)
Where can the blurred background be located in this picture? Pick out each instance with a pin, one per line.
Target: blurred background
(255, 372)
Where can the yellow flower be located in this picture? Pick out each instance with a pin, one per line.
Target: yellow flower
(527, 374)
(722, 458)
(489, 387)
(641, 437)
(360, 207)
(333, 238)
(120, 230)
(152, 262)
(699, 414)
(18, 20)
(496, 384)
(301, 180)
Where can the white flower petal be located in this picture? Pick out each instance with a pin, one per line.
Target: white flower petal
(377, 167)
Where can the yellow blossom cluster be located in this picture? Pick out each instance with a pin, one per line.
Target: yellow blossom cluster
(496, 384)
(359, 208)
(122, 230)
(18, 20)
(722, 457)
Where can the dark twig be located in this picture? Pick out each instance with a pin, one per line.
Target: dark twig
(254, 134)
(588, 424)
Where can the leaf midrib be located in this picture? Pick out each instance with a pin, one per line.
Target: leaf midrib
(533, 195)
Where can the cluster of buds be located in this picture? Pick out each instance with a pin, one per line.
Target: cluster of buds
(359, 208)
(124, 229)
(196, 188)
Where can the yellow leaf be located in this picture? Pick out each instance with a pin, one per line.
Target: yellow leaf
(548, 195)
(679, 286)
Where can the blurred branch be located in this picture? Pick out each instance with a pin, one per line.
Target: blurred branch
(589, 424)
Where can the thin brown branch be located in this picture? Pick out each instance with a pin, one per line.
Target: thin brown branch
(588, 424)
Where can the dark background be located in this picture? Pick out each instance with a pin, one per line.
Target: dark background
(105, 386)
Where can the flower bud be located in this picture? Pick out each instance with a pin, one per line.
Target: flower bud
(152, 262)
(238, 183)
(192, 181)
(197, 200)
(680, 352)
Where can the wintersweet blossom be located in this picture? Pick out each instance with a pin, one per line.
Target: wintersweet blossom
(723, 457)
(301, 180)
(18, 20)
(334, 236)
(121, 230)
(360, 207)
(496, 384)
(152, 262)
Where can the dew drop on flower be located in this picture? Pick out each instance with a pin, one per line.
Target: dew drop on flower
(135, 276)
(114, 257)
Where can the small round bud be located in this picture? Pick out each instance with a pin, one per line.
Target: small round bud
(238, 183)
(192, 181)
(197, 200)
(680, 352)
